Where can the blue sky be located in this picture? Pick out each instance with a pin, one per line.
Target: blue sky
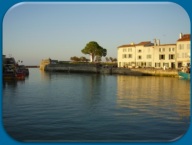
(36, 31)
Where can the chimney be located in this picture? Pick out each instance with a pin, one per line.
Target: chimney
(158, 42)
(180, 35)
(155, 42)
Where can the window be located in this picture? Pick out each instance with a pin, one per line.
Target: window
(171, 49)
(171, 56)
(188, 46)
(139, 57)
(161, 57)
(149, 64)
(124, 49)
(186, 55)
(119, 64)
(139, 63)
(148, 56)
(157, 64)
(163, 49)
(129, 55)
(129, 49)
(159, 49)
(166, 64)
(124, 56)
(181, 46)
(139, 50)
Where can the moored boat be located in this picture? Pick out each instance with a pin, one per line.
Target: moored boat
(24, 69)
(184, 75)
(185, 72)
(9, 71)
(9, 76)
(20, 75)
(13, 71)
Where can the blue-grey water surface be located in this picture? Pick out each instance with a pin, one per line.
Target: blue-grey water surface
(92, 107)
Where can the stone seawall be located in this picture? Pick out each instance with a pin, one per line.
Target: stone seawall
(94, 68)
(84, 68)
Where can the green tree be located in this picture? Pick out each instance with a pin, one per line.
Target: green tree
(75, 58)
(113, 59)
(94, 49)
(82, 58)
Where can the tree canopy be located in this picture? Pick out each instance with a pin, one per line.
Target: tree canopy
(94, 49)
(76, 59)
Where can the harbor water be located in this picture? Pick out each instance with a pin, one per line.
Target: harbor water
(55, 106)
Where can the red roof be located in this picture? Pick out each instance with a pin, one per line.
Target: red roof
(133, 45)
(127, 45)
(185, 37)
(144, 43)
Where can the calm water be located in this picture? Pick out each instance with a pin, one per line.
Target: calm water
(91, 107)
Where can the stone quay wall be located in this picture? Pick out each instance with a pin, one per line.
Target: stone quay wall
(80, 68)
(96, 68)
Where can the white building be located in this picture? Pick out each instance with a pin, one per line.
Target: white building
(135, 55)
(126, 55)
(183, 50)
(147, 54)
(144, 54)
(164, 56)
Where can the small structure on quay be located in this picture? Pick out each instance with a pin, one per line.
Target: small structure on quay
(45, 62)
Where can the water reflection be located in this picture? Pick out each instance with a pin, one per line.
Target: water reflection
(46, 76)
(9, 83)
(96, 107)
(156, 96)
(91, 85)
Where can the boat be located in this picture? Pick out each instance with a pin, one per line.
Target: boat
(20, 75)
(9, 72)
(24, 69)
(184, 75)
(16, 75)
(13, 71)
(9, 76)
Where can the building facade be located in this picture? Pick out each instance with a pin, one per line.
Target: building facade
(164, 56)
(156, 55)
(144, 53)
(183, 50)
(126, 55)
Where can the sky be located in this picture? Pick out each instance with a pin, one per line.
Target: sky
(41, 30)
